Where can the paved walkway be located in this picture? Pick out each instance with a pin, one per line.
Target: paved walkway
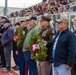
(12, 72)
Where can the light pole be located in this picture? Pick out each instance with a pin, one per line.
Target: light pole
(5, 8)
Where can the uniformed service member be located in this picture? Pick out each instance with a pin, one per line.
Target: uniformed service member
(47, 33)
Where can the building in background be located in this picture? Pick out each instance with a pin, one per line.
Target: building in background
(10, 10)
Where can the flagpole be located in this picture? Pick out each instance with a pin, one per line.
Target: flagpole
(5, 8)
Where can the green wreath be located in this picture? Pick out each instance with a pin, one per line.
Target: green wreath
(20, 34)
(41, 52)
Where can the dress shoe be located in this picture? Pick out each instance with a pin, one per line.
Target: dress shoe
(15, 68)
(2, 66)
(5, 70)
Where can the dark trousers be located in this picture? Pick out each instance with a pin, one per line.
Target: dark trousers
(51, 71)
(22, 66)
(32, 66)
(2, 60)
(15, 57)
(7, 53)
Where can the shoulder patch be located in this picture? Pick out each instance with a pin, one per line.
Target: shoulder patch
(53, 31)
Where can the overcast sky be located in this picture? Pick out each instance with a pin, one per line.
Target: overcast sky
(20, 3)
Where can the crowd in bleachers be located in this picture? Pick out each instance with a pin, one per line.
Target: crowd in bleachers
(49, 7)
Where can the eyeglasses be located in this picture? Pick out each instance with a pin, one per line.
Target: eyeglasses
(59, 22)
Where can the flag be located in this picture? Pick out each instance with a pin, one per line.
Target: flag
(35, 46)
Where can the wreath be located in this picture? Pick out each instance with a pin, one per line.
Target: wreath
(37, 48)
(19, 37)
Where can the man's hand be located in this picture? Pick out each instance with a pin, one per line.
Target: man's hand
(16, 52)
(45, 42)
(68, 67)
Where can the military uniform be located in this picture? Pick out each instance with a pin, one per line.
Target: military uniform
(46, 33)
